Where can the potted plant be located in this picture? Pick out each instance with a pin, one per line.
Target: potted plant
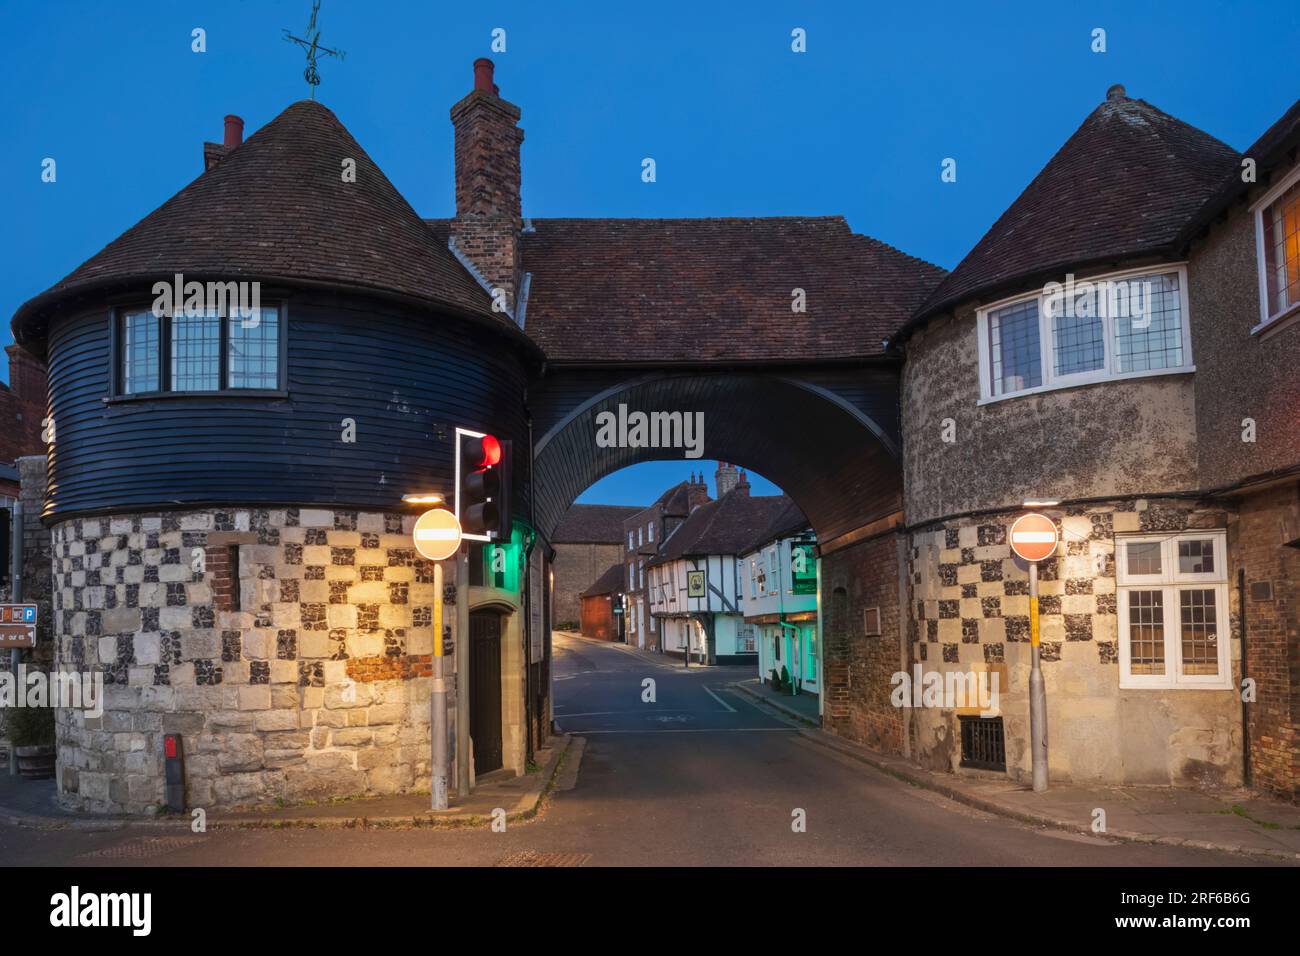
(776, 679)
(31, 734)
(786, 684)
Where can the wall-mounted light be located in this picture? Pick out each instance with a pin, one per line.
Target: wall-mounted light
(1041, 502)
(423, 498)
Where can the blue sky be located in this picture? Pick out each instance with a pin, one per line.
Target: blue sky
(736, 122)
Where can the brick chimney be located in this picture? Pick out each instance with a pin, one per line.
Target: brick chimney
(742, 484)
(725, 478)
(22, 406)
(232, 136)
(488, 211)
(26, 375)
(697, 492)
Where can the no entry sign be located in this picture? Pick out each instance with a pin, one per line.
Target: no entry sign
(1034, 536)
(437, 534)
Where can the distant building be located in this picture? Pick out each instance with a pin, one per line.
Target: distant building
(779, 600)
(587, 541)
(22, 408)
(644, 534)
(602, 606)
(695, 581)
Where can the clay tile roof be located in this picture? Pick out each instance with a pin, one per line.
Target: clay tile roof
(1276, 147)
(1124, 185)
(676, 500)
(790, 520)
(593, 524)
(611, 582)
(276, 207)
(702, 290)
(729, 525)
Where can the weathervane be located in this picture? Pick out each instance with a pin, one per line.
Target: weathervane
(313, 48)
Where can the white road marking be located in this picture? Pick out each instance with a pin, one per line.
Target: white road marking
(693, 730)
(730, 709)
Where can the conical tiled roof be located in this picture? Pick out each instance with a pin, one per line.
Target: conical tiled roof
(277, 207)
(1124, 185)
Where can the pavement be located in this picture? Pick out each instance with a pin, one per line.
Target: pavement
(1233, 820)
(32, 803)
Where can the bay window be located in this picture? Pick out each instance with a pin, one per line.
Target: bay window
(196, 352)
(1119, 325)
(1173, 611)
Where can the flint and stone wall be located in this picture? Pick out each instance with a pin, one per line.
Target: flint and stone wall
(313, 684)
(970, 612)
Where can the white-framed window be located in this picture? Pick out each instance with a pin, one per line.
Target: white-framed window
(640, 536)
(631, 575)
(1277, 244)
(650, 532)
(753, 576)
(630, 541)
(640, 568)
(1114, 326)
(1173, 610)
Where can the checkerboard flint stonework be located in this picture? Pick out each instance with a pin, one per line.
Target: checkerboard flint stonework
(302, 677)
(970, 610)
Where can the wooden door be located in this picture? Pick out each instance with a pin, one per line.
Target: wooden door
(485, 689)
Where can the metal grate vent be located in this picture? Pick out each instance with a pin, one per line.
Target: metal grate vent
(983, 744)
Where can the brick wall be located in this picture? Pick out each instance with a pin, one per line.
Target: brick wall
(577, 566)
(598, 617)
(857, 668)
(1258, 545)
(22, 406)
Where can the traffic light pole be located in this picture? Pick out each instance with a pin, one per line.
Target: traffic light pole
(1037, 691)
(438, 715)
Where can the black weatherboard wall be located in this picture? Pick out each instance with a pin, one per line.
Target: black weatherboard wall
(406, 376)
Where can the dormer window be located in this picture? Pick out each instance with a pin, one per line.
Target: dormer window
(1121, 325)
(1277, 234)
(197, 352)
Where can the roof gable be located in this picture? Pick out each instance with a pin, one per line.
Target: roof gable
(729, 525)
(276, 207)
(1124, 185)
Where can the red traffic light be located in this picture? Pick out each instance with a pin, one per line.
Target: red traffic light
(491, 456)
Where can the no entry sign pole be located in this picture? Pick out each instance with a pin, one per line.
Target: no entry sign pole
(437, 538)
(1033, 538)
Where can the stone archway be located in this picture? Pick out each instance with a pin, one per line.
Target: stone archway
(837, 463)
(832, 458)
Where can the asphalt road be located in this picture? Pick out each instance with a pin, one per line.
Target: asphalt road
(699, 776)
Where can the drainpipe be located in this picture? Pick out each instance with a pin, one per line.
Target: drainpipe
(15, 596)
(528, 597)
(1245, 707)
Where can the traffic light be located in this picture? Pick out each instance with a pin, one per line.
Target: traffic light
(482, 486)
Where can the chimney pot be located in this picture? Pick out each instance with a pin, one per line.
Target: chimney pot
(1116, 92)
(234, 131)
(483, 75)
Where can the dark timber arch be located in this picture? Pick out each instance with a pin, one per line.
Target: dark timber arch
(838, 463)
